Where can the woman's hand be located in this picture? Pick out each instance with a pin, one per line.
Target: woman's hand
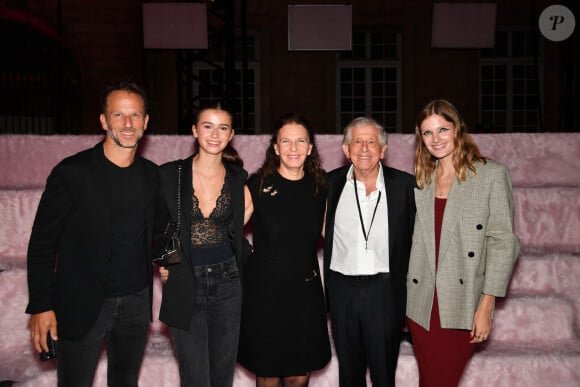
(482, 324)
(164, 274)
(248, 205)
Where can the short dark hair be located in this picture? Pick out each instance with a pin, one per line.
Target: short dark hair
(130, 87)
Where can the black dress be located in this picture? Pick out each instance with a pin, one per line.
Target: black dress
(284, 330)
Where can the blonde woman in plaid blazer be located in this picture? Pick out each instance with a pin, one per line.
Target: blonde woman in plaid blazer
(464, 247)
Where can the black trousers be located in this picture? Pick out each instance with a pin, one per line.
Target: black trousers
(123, 323)
(365, 328)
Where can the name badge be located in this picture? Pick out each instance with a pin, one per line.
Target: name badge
(366, 265)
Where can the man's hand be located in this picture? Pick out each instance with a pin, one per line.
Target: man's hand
(40, 324)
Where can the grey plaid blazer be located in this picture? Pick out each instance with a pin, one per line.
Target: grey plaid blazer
(477, 252)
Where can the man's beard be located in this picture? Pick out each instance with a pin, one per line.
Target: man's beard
(119, 143)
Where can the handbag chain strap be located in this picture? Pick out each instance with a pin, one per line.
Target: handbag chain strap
(178, 198)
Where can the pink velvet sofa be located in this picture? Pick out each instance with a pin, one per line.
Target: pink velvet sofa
(535, 341)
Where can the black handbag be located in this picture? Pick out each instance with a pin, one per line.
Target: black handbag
(170, 253)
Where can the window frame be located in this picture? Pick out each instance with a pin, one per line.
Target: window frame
(368, 64)
(217, 58)
(510, 61)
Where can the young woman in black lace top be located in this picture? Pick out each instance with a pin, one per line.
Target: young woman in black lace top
(202, 294)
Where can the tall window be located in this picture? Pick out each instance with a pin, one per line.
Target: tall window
(509, 84)
(369, 79)
(210, 78)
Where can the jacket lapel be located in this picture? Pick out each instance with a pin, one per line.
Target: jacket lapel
(101, 183)
(335, 190)
(391, 206)
(186, 190)
(456, 201)
(425, 202)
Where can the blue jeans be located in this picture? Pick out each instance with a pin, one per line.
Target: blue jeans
(122, 323)
(207, 352)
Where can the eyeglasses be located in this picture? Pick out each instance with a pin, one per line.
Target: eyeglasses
(440, 132)
(359, 143)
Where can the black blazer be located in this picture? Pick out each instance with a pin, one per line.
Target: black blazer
(399, 186)
(179, 291)
(70, 249)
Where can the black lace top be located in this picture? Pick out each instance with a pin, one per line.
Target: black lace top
(213, 230)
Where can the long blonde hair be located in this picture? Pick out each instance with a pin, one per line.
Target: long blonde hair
(466, 151)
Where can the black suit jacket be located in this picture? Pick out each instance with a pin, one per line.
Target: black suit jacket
(69, 251)
(399, 187)
(177, 304)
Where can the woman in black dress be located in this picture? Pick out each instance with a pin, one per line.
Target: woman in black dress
(284, 332)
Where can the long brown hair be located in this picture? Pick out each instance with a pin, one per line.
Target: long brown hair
(312, 164)
(466, 151)
(229, 154)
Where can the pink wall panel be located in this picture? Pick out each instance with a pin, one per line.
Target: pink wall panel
(534, 160)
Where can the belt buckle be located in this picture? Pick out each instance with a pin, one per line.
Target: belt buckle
(310, 276)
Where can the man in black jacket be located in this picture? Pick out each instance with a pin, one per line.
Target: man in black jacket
(89, 256)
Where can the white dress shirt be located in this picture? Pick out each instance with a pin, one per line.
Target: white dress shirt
(351, 254)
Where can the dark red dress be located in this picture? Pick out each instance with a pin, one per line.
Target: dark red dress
(442, 354)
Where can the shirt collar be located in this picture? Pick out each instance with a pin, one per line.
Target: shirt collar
(380, 184)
